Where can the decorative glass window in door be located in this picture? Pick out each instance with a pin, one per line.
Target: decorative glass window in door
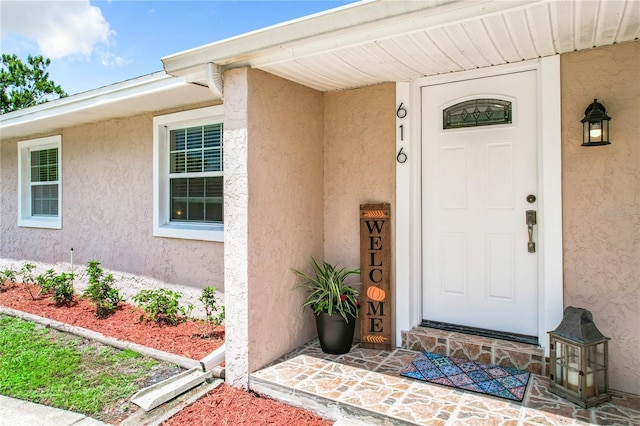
(477, 112)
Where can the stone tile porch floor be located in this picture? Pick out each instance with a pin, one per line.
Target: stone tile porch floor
(365, 384)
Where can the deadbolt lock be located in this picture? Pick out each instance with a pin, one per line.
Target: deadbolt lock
(531, 198)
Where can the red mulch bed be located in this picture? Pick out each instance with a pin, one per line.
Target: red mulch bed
(224, 405)
(125, 324)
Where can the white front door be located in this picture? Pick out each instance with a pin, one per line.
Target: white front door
(476, 181)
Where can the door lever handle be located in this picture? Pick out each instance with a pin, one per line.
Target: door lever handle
(531, 220)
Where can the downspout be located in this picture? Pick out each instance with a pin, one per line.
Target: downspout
(212, 362)
(213, 74)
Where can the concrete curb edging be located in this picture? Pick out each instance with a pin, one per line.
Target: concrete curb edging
(161, 392)
(182, 361)
(169, 409)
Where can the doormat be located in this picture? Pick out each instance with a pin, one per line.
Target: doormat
(503, 382)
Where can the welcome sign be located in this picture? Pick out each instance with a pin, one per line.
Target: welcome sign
(375, 273)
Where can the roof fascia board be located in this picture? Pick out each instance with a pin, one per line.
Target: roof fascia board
(104, 96)
(347, 26)
(223, 52)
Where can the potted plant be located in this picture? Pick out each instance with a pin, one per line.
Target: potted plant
(334, 304)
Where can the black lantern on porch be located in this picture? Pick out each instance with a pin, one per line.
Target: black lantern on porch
(579, 358)
(595, 125)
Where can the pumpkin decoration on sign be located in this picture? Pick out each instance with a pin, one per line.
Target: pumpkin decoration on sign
(376, 293)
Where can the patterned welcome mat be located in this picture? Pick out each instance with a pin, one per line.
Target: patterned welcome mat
(503, 382)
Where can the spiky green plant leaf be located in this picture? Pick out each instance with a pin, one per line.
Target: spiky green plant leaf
(327, 291)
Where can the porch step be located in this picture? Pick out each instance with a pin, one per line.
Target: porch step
(333, 390)
(476, 348)
(364, 387)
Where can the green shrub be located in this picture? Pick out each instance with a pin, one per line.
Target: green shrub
(100, 290)
(214, 313)
(46, 281)
(7, 275)
(162, 305)
(26, 272)
(59, 286)
(63, 289)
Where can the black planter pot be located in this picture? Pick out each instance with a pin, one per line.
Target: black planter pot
(335, 334)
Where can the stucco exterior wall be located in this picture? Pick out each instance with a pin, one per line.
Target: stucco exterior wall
(601, 202)
(359, 168)
(359, 161)
(236, 211)
(107, 182)
(274, 133)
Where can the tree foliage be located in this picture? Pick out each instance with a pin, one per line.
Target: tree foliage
(26, 84)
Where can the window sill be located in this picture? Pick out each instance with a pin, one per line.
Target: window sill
(40, 222)
(188, 231)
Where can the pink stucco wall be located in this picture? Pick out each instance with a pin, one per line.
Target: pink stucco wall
(236, 211)
(359, 164)
(107, 172)
(310, 160)
(601, 201)
(285, 192)
(273, 178)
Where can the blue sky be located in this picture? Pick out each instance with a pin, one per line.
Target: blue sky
(96, 43)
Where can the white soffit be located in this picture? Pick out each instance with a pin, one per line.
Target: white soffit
(379, 41)
(154, 92)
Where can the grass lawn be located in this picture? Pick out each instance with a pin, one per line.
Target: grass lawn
(63, 371)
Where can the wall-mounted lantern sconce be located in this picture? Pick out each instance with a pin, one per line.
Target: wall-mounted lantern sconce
(579, 358)
(595, 125)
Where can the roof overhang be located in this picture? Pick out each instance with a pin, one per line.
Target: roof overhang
(378, 41)
(153, 92)
(360, 44)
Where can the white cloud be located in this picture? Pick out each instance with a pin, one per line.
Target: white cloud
(60, 28)
(109, 59)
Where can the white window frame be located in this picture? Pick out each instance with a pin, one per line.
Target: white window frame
(162, 224)
(25, 217)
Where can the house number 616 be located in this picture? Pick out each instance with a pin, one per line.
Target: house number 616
(401, 113)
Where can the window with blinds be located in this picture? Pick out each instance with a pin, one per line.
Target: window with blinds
(40, 182)
(196, 174)
(44, 182)
(188, 174)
